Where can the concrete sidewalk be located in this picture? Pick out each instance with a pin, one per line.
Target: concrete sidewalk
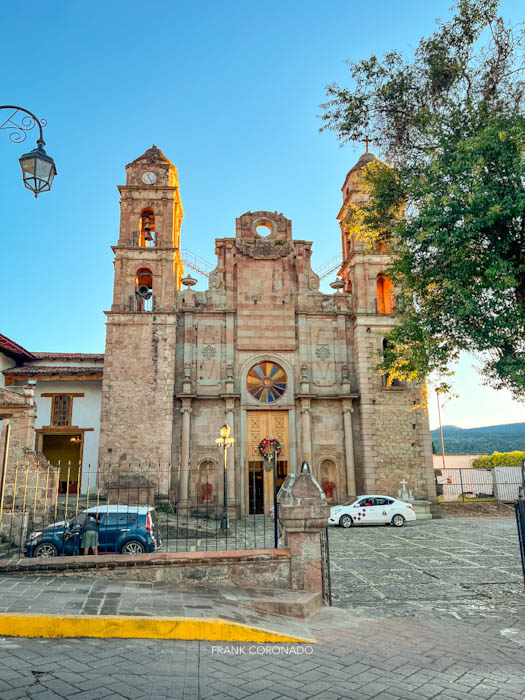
(77, 596)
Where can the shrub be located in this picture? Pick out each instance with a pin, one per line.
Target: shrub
(499, 459)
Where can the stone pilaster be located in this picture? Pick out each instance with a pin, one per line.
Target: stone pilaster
(349, 449)
(185, 453)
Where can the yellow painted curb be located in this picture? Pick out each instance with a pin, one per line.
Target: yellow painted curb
(107, 626)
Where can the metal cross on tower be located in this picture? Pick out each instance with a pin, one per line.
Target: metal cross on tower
(366, 140)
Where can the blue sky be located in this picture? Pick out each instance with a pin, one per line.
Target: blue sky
(231, 92)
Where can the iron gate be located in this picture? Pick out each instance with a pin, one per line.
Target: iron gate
(519, 507)
(325, 567)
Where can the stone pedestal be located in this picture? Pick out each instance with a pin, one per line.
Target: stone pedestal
(303, 513)
(422, 509)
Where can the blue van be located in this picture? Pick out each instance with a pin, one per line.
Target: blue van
(123, 529)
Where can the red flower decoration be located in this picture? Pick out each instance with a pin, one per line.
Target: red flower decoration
(264, 444)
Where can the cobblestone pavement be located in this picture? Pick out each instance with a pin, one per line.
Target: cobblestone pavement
(452, 567)
(431, 611)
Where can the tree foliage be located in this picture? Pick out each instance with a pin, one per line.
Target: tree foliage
(450, 201)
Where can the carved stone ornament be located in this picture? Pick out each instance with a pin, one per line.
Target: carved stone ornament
(325, 449)
(313, 283)
(214, 279)
(322, 352)
(209, 352)
(263, 250)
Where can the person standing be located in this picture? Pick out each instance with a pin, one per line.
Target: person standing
(90, 534)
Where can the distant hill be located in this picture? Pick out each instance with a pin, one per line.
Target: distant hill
(486, 440)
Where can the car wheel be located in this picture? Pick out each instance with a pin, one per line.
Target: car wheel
(133, 547)
(398, 520)
(346, 521)
(46, 549)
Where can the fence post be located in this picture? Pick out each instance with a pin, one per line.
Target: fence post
(461, 486)
(303, 514)
(4, 467)
(519, 507)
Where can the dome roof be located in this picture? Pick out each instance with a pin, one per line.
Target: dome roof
(365, 158)
(152, 155)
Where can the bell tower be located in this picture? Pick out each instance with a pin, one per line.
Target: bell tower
(395, 435)
(137, 389)
(148, 266)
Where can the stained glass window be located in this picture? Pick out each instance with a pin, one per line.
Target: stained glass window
(266, 381)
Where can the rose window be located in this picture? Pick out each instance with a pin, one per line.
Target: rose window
(266, 382)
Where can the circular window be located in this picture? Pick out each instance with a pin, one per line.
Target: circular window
(263, 227)
(266, 382)
(263, 230)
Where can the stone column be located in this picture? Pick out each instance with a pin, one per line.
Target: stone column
(230, 467)
(349, 449)
(183, 501)
(303, 513)
(306, 429)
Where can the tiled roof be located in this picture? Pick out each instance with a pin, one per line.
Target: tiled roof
(43, 371)
(12, 349)
(68, 356)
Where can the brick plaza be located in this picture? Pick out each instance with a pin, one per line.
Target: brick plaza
(436, 610)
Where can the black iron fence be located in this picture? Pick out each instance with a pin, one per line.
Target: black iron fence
(520, 521)
(135, 511)
(467, 485)
(325, 567)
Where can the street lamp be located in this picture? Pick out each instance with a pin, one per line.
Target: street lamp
(225, 442)
(38, 168)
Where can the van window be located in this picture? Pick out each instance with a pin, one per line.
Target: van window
(118, 519)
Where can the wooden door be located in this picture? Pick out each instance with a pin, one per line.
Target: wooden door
(261, 424)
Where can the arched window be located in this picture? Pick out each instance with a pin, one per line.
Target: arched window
(385, 295)
(147, 229)
(144, 289)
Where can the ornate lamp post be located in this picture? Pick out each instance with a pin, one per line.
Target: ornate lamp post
(38, 168)
(270, 450)
(225, 442)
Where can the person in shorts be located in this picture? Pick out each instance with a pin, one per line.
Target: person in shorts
(90, 534)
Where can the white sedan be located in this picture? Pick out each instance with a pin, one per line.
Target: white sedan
(372, 510)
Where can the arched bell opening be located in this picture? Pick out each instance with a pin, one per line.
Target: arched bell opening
(147, 229)
(144, 289)
(385, 295)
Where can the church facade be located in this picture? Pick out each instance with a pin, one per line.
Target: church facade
(262, 350)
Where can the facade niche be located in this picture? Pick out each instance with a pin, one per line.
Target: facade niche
(144, 290)
(385, 295)
(147, 229)
(207, 482)
(328, 474)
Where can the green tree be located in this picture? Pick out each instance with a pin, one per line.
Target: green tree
(450, 203)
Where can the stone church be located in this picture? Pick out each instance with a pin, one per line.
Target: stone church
(262, 349)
